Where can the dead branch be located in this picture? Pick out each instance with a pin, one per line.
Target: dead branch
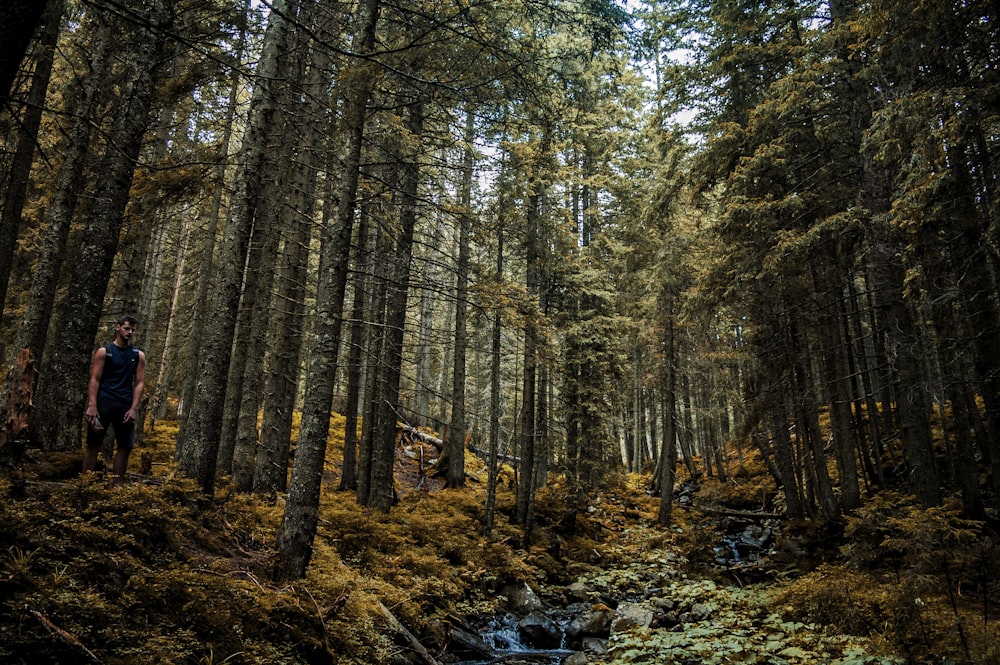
(748, 514)
(65, 636)
(410, 638)
(416, 435)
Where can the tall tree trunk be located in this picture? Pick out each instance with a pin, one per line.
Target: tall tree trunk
(62, 391)
(27, 139)
(912, 401)
(239, 438)
(455, 444)
(285, 352)
(20, 18)
(201, 299)
(668, 454)
(382, 493)
(493, 461)
(355, 363)
(298, 524)
(34, 324)
(807, 424)
(374, 376)
(199, 442)
(526, 467)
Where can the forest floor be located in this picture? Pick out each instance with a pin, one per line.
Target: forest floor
(155, 572)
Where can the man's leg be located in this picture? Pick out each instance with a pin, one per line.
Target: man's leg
(90, 457)
(95, 438)
(121, 462)
(125, 440)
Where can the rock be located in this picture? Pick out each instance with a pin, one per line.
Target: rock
(698, 612)
(576, 658)
(665, 619)
(522, 600)
(539, 631)
(593, 622)
(631, 615)
(665, 604)
(594, 645)
(578, 591)
(465, 642)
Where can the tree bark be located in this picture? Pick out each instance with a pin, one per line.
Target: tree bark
(200, 305)
(62, 389)
(199, 442)
(381, 491)
(495, 348)
(456, 430)
(668, 453)
(20, 20)
(355, 364)
(27, 138)
(286, 336)
(298, 525)
(83, 98)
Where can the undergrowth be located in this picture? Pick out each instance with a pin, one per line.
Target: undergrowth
(154, 572)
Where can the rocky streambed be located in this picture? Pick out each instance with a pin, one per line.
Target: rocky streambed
(646, 612)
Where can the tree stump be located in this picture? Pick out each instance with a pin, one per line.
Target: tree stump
(20, 386)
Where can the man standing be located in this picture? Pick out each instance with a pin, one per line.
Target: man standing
(117, 377)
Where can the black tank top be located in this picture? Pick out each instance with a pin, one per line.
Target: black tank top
(118, 376)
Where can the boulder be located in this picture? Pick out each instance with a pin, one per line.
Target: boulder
(521, 599)
(465, 642)
(631, 615)
(592, 622)
(539, 631)
(578, 591)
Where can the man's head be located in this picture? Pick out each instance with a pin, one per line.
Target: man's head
(124, 329)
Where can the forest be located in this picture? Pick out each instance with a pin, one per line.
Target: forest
(679, 317)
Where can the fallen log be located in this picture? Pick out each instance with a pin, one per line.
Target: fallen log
(748, 514)
(485, 454)
(423, 437)
(414, 643)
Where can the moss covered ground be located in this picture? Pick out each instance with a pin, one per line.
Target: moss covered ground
(152, 571)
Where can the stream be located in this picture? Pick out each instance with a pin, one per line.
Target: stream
(651, 611)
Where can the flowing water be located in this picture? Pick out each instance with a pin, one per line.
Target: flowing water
(504, 638)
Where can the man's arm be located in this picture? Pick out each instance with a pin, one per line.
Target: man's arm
(96, 370)
(137, 388)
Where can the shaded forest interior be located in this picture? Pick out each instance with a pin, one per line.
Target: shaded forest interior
(572, 243)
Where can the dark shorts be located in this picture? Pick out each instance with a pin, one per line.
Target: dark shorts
(111, 413)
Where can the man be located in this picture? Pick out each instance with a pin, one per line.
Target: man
(117, 377)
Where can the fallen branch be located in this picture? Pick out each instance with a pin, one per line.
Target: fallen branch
(749, 514)
(415, 644)
(485, 454)
(62, 634)
(422, 437)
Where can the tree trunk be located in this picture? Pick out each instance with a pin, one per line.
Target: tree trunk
(27, 138)
(239, 440)
(492, 462)
(62, 391)
(20, 19)
(34, 324)
(526, 469)
(298, 524)
(286, 336)
(200, 305)
(199, 445)
(355, 363)
(668, 454)
(381, 491)
(456, 430)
